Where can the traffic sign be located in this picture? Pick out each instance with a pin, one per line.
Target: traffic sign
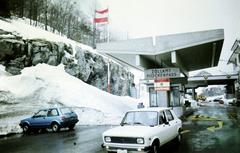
(151, 74)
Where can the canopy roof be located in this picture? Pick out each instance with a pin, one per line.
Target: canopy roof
(188, 51)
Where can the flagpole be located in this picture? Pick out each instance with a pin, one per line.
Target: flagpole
(94, 34)
(94, 29)
(108, 33)
(109, 75)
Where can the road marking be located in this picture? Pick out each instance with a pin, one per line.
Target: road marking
(213, 128)
(203, 118)
(185, 131)
(207, 118)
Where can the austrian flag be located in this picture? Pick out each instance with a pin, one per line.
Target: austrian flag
(101, 16)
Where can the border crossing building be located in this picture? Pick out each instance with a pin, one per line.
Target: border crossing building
(167, 60)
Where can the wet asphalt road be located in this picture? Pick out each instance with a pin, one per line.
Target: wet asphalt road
(213, 128)
(84, 139)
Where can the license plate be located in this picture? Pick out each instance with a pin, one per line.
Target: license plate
(121, 151)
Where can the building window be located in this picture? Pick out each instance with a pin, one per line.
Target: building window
(174, 97)
(158, 98)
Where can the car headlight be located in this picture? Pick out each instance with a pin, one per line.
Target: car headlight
(140, 140)
(108, 139)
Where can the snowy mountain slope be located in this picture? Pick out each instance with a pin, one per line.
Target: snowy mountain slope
(49, 86)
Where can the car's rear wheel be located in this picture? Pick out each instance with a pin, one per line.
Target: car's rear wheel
(178, 139)
(26, 128)
(71, 127)
(155, 148)
(55, 127)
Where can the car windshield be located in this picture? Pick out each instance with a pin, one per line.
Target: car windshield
(144, 118)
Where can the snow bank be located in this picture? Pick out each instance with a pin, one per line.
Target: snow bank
(50, 86)
(3, 72)
(211, 98)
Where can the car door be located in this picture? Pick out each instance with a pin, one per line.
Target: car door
(176, 123)
(51, 116)
(163, 128)
(39, 119)
(171, 125)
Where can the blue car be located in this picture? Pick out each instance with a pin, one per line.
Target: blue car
(54, 118)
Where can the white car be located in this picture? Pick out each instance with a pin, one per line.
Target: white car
(143, 130)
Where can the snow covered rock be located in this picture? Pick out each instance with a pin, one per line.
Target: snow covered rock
(17, 53)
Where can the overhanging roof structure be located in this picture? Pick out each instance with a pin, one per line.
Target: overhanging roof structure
(188, 51)
(197, 81)
(236, 52)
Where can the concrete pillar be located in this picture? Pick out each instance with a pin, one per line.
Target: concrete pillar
(193, 94)
(230, 91)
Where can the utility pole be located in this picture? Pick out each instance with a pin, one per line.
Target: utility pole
(94, 31)
(109, 77)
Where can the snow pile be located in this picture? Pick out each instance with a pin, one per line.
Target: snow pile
(49, 86)
(212, 98)
(3, 72)
(222, 98)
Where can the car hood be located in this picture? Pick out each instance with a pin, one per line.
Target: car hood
(129, 131)
(26, 119)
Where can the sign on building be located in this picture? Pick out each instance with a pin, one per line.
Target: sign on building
(162, 84)
(152, 74)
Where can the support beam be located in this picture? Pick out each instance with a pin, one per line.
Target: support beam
(141, 61)
(176, 61)
(213, 54)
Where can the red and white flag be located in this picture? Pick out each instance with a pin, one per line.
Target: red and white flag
(162, 84)
(101, 16)
(102, 11)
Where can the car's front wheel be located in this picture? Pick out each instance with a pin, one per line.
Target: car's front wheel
(55, 127)
(155, 148)
(26, 128)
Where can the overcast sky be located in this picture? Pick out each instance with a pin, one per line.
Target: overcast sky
(141, 18)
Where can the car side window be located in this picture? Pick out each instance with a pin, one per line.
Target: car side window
(66, 110)
(41, 113)
(162, 118)
(169, 115)
(52, 112)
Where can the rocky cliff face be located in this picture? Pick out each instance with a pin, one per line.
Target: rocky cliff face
(17, 53)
